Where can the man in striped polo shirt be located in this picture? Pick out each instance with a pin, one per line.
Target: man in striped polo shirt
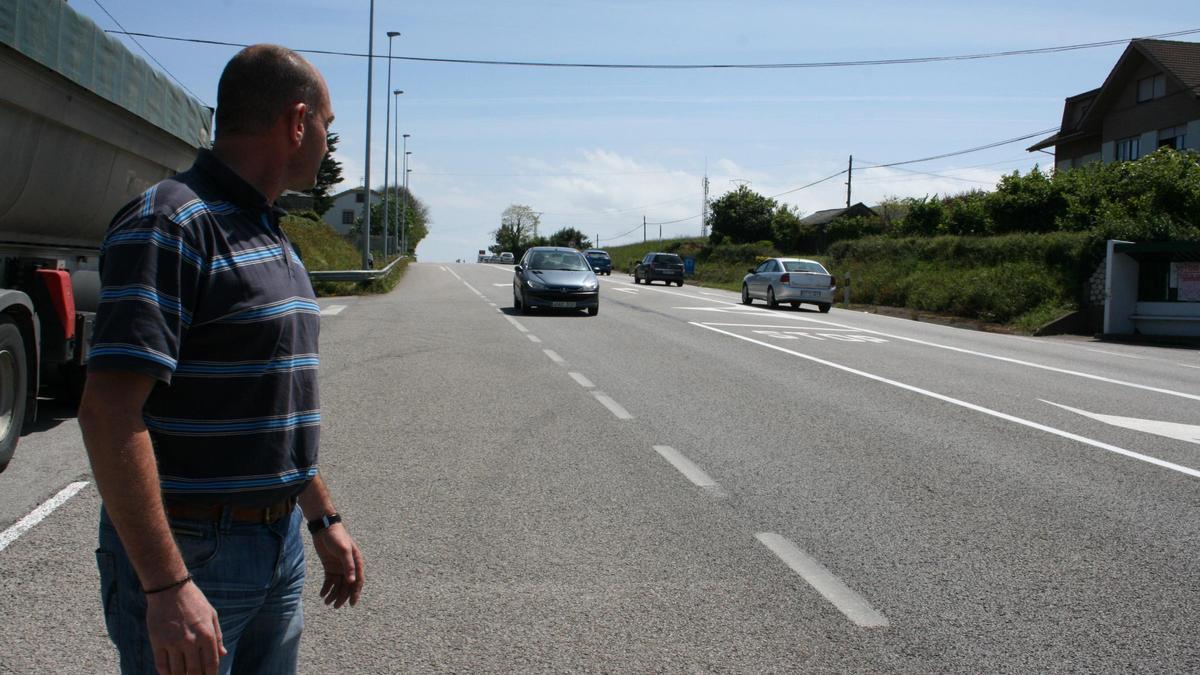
(201, 415)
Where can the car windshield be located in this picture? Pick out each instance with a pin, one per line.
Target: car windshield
(555, 260)
(667, 260)
(803, 266)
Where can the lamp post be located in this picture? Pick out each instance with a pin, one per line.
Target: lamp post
(387, 127)
(404, 196)
(366, 233)
(395, 160)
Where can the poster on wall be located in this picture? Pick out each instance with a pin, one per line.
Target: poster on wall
(1188, 280)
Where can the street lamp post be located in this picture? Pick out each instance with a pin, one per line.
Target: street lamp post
(404, 198)
(366, 233)
(395, 160)
(387, 127)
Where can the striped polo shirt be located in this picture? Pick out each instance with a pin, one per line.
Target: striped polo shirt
(201, 290)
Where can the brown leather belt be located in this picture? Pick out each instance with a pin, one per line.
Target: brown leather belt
(240, 514)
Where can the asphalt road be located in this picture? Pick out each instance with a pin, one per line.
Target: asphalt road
(683, 483)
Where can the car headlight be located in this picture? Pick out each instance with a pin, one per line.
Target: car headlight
(590, 285)
(534, 283)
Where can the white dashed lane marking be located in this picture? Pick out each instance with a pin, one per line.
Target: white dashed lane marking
(533, 338)
(553, 356)
(37, 515)
(583, 381)
(613, 407)
(825, 582)
(332, 310)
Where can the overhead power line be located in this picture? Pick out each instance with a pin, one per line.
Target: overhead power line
(147, 51)
(698, 66)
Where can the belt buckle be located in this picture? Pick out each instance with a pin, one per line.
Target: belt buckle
(268, 513)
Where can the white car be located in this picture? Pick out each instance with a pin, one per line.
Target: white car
(790, 280)
(507, 258)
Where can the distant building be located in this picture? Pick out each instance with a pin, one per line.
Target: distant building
(824, 218)
(347, 208)
(1150, 99)
(292, 201)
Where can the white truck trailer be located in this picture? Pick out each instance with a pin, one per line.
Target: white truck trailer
(85, 126)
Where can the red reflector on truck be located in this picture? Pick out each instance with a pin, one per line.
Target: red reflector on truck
(58, 282)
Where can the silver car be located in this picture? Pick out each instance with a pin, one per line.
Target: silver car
(790, 280)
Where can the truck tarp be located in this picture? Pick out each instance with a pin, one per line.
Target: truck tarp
(54, 35)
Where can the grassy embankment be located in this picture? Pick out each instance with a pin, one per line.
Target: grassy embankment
(1020, 280)
(321, 248)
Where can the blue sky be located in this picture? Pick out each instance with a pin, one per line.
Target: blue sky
(600, 149)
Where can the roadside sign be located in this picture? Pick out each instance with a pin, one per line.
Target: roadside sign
(689, 266)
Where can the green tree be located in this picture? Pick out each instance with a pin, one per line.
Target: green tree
(789, 233)
(414, 214)
(923, 217)
(742, 216)
(515, 233)
(1029, 203)
(328, 175)
(571, 238)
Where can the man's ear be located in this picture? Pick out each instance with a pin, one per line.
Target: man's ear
(297, 118)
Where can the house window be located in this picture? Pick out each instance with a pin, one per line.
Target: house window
(1150, 88)
(347, 216)
(1127, 148)
(358, 197)
(1173, 137)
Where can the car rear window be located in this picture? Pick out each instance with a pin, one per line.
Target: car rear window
(597, 256)
(803, 266)
(667, 259)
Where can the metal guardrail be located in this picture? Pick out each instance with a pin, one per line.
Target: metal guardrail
(353, 275)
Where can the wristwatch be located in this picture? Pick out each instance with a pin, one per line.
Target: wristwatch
(317, 524)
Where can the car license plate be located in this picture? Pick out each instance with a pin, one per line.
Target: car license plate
(810, 294)
(562, 305)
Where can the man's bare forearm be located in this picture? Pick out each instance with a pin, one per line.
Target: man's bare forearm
(123, 463)
(315, 501)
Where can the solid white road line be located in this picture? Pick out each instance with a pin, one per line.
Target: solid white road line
(332, 310)
(37, 515)
(533, 338)
(583, 381)
(825, 582)
(554, 356)
(970, 406)
(514, 322)
(473, 290)
(453, 272)
(613, 407)
(685, 466)
(502, 285)
(926, 343)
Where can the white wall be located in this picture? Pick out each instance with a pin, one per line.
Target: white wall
(346, 201)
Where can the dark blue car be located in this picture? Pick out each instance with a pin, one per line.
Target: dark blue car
(599, 260)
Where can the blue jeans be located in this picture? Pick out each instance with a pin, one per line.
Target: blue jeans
(252, 575)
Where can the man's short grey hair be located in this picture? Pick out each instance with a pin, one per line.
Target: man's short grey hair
(259, 84)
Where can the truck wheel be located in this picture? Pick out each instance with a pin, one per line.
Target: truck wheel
(12, 388)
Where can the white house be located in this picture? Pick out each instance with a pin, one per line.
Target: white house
(347, 207)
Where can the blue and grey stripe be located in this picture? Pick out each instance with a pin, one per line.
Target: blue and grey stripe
(242, 258)
(158, 238)
(237, 484)
(253, 425)
(285, 364)
(135, 351)
(196, 207)
(149, 295)
(293, 305)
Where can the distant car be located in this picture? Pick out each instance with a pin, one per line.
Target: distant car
(790, 280)
(552, 277)
(507, 258)
(666, 267)
(599, 260)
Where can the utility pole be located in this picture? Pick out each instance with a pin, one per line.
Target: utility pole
(597, 240)
(643, 229)
(366, 230)
(849, 180)
(660, 231)
(704, 204)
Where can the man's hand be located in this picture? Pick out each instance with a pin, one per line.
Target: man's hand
(185, 634)
(343, 564)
